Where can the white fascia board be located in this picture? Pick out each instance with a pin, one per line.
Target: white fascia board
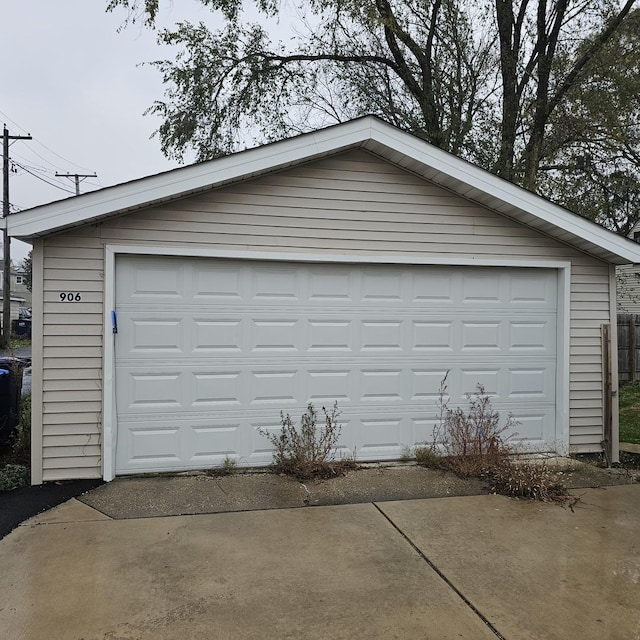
(186, 180)
(512, 195)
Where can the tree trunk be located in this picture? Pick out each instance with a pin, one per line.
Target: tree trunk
(509, 52)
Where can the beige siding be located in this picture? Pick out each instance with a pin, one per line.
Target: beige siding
(352, 203)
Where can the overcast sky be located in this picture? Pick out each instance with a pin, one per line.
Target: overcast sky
(76, 85)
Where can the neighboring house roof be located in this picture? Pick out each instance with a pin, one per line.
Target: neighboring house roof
(369, 133)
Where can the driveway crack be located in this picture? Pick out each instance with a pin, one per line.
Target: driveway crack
(440, 574)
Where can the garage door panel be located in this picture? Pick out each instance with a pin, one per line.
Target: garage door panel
(380, 435)
(381, 335)
(141, 336)
(335, 286)
(327, 386)
(481, 336)
(379, 286)
(217, 348)
(156, 280)
(330, 334)
(425, 384)
(145, 391)
(219, 390)
(432, 336)
(194, 388)
(533, 425)
(224, 335)
(276, 387)
(528, 289)
(208, 443)
(272, 283)
(381, 385)
(279, 335)
(488, 378)
(157, 335)
(439, 287)
(530, 383)
(151, 446)
(481, 289)
(217, 283)
(527, 336)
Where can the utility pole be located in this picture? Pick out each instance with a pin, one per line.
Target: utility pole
(77, 177)
(5, 340)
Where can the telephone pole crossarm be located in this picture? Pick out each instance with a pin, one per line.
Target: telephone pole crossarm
(76, 177)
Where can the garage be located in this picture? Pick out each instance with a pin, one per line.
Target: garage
(176, 316)
(210, 351)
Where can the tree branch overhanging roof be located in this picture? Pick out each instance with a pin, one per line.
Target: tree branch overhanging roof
(369, 133)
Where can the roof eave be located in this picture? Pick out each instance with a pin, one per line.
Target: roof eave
(186, 181)
(370, 133)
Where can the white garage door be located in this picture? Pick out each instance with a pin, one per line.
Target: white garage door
(210, 350)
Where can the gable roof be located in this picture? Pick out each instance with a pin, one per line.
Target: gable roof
(369, 133)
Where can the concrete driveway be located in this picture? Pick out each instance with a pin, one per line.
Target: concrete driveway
(471, 567)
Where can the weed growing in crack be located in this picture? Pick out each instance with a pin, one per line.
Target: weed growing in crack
(228, 468)
(472, 443)
(308, 451)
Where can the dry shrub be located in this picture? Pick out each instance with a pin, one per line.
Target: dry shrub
(309, 451)
(470, 442)
(533, 480)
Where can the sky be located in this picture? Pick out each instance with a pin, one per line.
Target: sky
(77, 86)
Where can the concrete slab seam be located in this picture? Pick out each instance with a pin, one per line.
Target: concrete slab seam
(440, 574)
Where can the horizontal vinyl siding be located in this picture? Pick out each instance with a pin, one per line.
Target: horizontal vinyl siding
(72, 365)
(589, 310)
(353, 203)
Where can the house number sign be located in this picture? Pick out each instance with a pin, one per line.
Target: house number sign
(70, 296)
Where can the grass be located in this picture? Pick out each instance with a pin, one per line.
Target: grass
(20, 341)
(629, 399)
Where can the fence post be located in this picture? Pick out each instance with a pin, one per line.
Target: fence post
(633, 357)
(607, 397)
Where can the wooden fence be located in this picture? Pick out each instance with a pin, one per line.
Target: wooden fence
(628, 344)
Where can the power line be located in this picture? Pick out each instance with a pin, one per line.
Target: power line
(35, 175)
(43, 170)
(31, 166)
(45, 146)
(13, 122)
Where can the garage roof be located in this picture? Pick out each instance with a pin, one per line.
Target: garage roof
(369, 133)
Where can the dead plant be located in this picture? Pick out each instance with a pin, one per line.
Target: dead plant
(308, 451)
(534, 480)
(471, 441)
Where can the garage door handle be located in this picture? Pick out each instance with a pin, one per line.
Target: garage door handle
(114, 321)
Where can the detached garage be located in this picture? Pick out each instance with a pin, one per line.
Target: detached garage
(176, 315)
